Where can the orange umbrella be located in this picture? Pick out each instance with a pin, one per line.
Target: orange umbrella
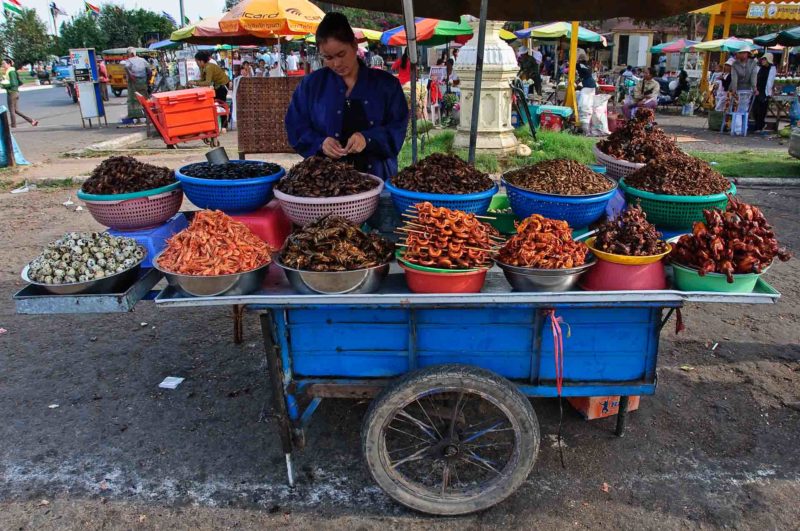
(273, 17)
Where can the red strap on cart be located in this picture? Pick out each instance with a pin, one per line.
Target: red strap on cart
(558, 348)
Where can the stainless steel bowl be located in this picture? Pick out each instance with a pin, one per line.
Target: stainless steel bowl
(531, 279)
(214, 286)
(335, 282)
(109, 284)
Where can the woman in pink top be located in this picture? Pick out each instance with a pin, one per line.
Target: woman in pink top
(403, 68)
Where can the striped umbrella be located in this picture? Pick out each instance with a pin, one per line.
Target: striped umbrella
(681, 45)
(362, 35)
(731, 45)
(430, 31)
(557, 30)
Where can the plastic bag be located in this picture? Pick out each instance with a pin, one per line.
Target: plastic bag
(585, 103)
(600, 115)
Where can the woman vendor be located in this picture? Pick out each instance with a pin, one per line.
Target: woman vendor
(346, 110)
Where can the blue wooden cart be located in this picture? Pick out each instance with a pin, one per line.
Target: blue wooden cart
(451, 430)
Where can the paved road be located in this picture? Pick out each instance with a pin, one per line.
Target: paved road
(59, 127)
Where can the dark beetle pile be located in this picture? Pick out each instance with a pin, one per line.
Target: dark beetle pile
(442, 174)
(230, 170)
(319, 176)
(639, 140)
(679, 174)
(125, 175)
(334, 244)
(559, 177)
(630, 234)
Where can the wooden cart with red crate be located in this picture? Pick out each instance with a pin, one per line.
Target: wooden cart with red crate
(185, 115)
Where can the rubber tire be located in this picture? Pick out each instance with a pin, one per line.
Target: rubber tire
(468, 377)
(116, 92)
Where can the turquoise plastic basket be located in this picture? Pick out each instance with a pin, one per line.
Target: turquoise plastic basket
(677, 212)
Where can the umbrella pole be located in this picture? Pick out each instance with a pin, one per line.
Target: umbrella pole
(476, 91)
(411, 48)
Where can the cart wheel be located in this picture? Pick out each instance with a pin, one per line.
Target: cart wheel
(117, 92)
(450, 439)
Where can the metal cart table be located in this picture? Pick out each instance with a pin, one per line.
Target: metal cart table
(451, 430)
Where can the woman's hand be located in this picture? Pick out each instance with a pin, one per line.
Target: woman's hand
(356, 144)
(332, 149)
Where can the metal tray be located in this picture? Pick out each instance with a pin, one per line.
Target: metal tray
(33, 300)
(276, 291)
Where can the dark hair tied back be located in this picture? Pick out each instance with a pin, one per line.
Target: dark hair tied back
(202, 56)
(335, 26)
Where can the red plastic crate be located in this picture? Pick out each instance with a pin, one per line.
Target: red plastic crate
(269, 223)
(600, 407)
(186, 112)
(551, 122)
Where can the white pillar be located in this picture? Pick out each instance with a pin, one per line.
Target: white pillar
(495, 133)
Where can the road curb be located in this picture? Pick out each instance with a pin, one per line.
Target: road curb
(768, 181)
(114, 143)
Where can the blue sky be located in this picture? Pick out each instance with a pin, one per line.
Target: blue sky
(194, 8)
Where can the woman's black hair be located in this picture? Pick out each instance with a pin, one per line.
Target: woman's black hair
(335, 26)
(684, 74)
(202, 56)
(404, 59)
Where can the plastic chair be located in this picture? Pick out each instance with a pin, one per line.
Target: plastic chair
(741, 114)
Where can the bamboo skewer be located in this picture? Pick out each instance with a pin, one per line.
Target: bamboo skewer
(427, 229)
(412, 208)
(403, 232)
(492, 251)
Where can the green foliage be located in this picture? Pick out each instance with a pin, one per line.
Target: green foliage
(82, 32)
(116, 27)
(24, 38)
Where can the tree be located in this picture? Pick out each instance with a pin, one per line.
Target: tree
(82, 32)
(149, 24)
(24, 38)
(117, 25)
(230, 3)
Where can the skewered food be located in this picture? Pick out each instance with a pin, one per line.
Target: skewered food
(447, 239)
(320, 176)
(124, 175)
(678, 174)
(559, 177)
(214, 244)
(739, 240)
(84, 256)
(442, 174)
(639, 140)
(230, 170)
(544, 244)
(630, 234)
(334, 244)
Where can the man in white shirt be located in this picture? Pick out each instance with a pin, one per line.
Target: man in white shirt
(137, 71)
(291, 62)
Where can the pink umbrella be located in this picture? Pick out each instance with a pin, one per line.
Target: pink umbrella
(678, 46)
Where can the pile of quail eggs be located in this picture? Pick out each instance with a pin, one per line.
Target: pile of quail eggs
(84, 256)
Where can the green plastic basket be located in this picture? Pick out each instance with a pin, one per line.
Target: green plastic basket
(675, 212)
(688, 279)
(399, 255)
(503, 221)
(133, 195)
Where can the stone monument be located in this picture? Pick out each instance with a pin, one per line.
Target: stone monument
(495, 133)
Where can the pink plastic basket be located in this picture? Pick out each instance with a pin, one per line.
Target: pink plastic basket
(356, 208)
(136, 214)
(615, 168)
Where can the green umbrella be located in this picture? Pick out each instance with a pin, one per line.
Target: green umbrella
(731, 45)
(789, 37)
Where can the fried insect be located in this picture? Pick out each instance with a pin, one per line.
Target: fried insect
(544, 244)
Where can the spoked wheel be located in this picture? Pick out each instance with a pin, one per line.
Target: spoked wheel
(450, 439)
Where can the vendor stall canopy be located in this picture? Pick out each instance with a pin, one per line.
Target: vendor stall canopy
(557, 30)
(545, 10)
(207, 31)
(789, 37)
(730, 45)
(273, 17)
(678, 46)
(748, 12)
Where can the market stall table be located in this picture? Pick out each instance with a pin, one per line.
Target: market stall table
(779, 108)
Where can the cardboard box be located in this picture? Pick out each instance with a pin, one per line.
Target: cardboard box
(600, 407)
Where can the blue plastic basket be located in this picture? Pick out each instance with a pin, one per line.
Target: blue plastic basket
(232, 196)
(578, 211)
(475, 203)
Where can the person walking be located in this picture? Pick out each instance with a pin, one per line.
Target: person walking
(765, 79)
(11, 83)
(138, 72)
(102, 78)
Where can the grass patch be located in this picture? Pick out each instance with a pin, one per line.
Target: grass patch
(753, 163)
(548, 145)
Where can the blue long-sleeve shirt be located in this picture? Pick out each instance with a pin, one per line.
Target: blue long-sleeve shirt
(317, 106)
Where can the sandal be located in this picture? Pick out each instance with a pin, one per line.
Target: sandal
(34, 123)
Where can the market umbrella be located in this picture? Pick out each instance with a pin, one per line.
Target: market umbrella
(207, 31)
(431, 31)
(678, 46)
(557, 30)
(165, 45)
(789, 37)
(731, 45)
(273, 17)
(544, 10)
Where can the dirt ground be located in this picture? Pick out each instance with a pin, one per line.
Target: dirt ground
(90, 442)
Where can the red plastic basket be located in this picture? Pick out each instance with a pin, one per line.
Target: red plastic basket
(428, 282)
(136, 214)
